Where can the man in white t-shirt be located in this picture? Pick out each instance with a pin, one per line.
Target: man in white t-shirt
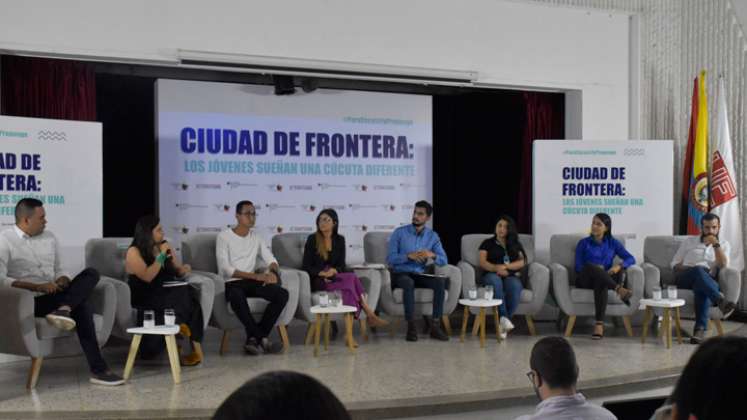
(237, 250)
(696, 266)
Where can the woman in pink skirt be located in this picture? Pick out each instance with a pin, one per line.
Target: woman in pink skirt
(324, 260)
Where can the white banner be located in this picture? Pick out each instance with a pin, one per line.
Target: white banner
(629, 180)
(365, 154)
(60, 163)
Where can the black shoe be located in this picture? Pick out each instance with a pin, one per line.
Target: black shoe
(106, 378)
(251, 348)
(61, 319)
(412, 331)
(698, 336)
(438, 333)
(727, 308)
(426, 324)
(271, 348)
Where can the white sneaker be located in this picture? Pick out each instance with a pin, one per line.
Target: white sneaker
(506, 325)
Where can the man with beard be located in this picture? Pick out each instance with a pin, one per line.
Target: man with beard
(411, 248)
(696, 266)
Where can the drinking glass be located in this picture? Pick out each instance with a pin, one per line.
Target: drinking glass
(488, 293)
(169, 317)
(149, 319)
(657, 293)
(338, 298)
(672, 292)
(472, 293)
(323, 299)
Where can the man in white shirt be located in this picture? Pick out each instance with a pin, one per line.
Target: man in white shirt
(30, 260)
(696, 266)
(554, 374)
(237, 250)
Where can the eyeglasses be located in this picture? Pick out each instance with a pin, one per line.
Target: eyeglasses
(530, 375)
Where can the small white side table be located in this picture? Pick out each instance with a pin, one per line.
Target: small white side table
(667, 305)
(480, 319)
(168, 332)
(322, 315)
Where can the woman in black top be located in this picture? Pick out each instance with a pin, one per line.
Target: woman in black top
(156, 284)
(324, 260)
(502, 257)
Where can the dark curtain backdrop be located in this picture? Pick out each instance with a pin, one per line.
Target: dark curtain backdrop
(45, 88)
(482, 159)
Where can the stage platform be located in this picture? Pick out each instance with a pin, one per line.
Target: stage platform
(387, 377)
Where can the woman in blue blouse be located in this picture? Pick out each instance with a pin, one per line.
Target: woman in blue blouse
(594, 269)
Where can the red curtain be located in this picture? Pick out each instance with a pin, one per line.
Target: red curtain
(47, 88)
(545, 119)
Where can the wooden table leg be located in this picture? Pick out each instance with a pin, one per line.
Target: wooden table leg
(482, 327)
(326, 331)
(628, 325)
(349, 332)
(173, 358)
(719, 327)
(309, 333)
(677, 325)
(465, 320)
(646, 321)
(668, 327)
(569, 327)
(476, 325)
(317, 332)
(497, 317)
(131, 356)
(530, 325)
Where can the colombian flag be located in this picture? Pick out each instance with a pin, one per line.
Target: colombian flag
(697, 201)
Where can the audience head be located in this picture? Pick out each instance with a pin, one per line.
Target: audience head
(148, 233)
(246, 214)
(710, 224)
(712, 384)
(601, 225)
(30, 216)
(282, 395)
(553, 367)
(422, 213)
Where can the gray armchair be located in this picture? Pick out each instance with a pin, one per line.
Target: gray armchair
(375, 249)
(580, 302)
(288, 248)
(658, 252)
(198, 250)
(538, 276)
(25, 335)
(107, 255)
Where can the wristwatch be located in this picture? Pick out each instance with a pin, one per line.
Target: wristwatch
(717, 245)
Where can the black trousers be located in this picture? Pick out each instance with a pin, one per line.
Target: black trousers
(76, 296)
(409, 281)
(595, 277)
(236, 293)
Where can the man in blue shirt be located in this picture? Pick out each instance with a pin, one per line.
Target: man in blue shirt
(411, 248)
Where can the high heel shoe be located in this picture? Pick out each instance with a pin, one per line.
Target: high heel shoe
(194, 358)
(598, 331)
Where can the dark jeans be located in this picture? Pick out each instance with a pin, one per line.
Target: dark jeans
(236, 293)
(76, 296)
(409, 281)
(705, 290)
(595, 277)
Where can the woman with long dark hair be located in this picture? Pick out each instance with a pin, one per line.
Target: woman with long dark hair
(324, 260)
(502, 257)
(155, 279)
(595, 256)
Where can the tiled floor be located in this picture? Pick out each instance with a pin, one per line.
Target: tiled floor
(387, 377)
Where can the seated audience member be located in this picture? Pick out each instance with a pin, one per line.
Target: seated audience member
(324, 260)
(30, 259)
(237, 250)
(282, 395)
(711, 386)
(411, 247)
(696, 266)
(595, 255)
(155, 279)
(502, 257)
(553, 374)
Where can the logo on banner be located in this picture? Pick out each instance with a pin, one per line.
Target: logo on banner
(180, 186)
(699, 192)
(308, 207)
(361, 228)
(384, 187)
(301, 229)
(208, 186)
(15, 134)
(339, 207)
(389, 207)
(275, 187)
(223, 207)
(361, 187)
(723, 188)
(407, 207)
(301, 187)
(49, 135)
(406, 185)
(386, 227)
(235, 184)
(356, 247)
(180, 229)
(274, 206)
(355, 207)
